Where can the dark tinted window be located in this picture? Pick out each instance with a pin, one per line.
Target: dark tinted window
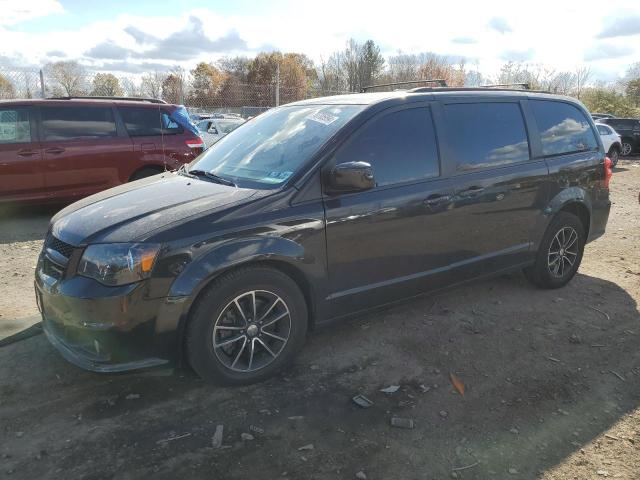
(141, 122)
(64, 123)
(486, 134)
(563, 128)
(14, 125)
(400, 146)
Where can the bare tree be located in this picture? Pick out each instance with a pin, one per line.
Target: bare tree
(152, 84)
(69, 77)
(582, 76)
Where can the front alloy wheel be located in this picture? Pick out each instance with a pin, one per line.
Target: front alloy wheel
(246, 326)
(251, 331)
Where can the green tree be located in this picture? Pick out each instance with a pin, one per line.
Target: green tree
(106, 85)
(607, 100)
(632, 91)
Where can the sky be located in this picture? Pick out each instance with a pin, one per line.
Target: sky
(136, 36)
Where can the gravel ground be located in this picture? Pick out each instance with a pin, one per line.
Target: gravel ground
(552, 385)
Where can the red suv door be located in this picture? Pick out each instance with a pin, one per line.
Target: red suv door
(83, 150)
(20, 155)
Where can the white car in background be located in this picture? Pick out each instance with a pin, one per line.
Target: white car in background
(611, 140)
(213, 129)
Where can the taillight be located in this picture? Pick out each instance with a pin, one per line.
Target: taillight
(608, 171)
(195, 143)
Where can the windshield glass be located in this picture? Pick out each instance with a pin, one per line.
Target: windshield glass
(268, 149)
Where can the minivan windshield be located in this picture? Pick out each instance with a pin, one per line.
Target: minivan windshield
(264, 152)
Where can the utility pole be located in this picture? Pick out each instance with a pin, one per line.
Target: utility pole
(42, 83)
(278, 84)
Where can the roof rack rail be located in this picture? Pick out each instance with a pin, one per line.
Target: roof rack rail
(98, 97)
(441, 82)
(524, 85)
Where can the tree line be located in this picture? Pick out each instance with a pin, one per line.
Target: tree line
(240, 80)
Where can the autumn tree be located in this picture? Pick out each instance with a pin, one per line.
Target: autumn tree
(632, 90)
(608, 100)
(236, 67)
(106, 85)
(7, 89)
(206, 81)
(69, 77)
(172, 88)
(293, 77)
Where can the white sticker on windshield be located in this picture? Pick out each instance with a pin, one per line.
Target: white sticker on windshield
(323, 118)
(277, 177)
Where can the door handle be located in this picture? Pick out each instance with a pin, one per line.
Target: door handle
(54, 150)
(436, 199)
(27, 153)
(471, 191)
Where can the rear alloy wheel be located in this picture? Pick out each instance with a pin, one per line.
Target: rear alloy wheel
(560, 252)
(246, 326)
(626, 149)
(614, 155)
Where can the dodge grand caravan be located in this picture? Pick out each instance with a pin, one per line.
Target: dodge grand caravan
(65, 149)
(317, 210)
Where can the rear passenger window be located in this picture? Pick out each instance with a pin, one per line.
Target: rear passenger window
(144, 122)
(484, 135)
(602, 130)
(400, 146)
(65, 123)
(563, 128)
(14, 125)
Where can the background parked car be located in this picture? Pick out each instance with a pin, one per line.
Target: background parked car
(629, 131)
(65, 149)
(214, 129)
(611, 140)
(598, 116)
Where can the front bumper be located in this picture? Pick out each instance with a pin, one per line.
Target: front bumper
(107, 329)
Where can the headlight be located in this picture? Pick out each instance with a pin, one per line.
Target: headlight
(118, 263)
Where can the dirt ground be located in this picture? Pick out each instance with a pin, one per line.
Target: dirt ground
(552, 385)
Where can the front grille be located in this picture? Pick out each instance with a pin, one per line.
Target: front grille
(59, 246)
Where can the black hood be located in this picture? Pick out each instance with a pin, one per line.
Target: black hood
(129, 212)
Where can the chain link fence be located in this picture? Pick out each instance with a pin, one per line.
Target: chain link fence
(229, 96)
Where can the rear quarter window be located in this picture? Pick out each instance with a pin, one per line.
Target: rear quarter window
(563, 128)
(485, 135)
(67, 123)
(146, 122)
(14, 125)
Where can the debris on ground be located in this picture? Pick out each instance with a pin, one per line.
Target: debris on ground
(444, 413)
(176, 437)
(457, 383)
(308, 446)
(216, 440)
(399, 422)
(361, 475)
(246, 436)
(132, 396)
(362, 401)
(513, 471)
(256, 429)
(390, 389)
(575, 339)
(424, 388)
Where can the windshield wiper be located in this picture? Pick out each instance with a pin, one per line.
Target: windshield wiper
(211, 176)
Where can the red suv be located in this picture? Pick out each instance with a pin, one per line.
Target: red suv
(68, 148)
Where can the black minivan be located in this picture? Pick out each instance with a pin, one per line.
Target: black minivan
(318, 210)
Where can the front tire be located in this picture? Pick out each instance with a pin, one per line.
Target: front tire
(248, 325)
(560, 252)
(626, 149)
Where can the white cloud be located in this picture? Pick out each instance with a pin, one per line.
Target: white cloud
(556, 34)
(16, 11)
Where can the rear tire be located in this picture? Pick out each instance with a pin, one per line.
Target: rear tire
(247, 326)
(144, 173)
(560, 252)
(626, 149)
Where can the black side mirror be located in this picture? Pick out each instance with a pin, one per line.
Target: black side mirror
(351, 177)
